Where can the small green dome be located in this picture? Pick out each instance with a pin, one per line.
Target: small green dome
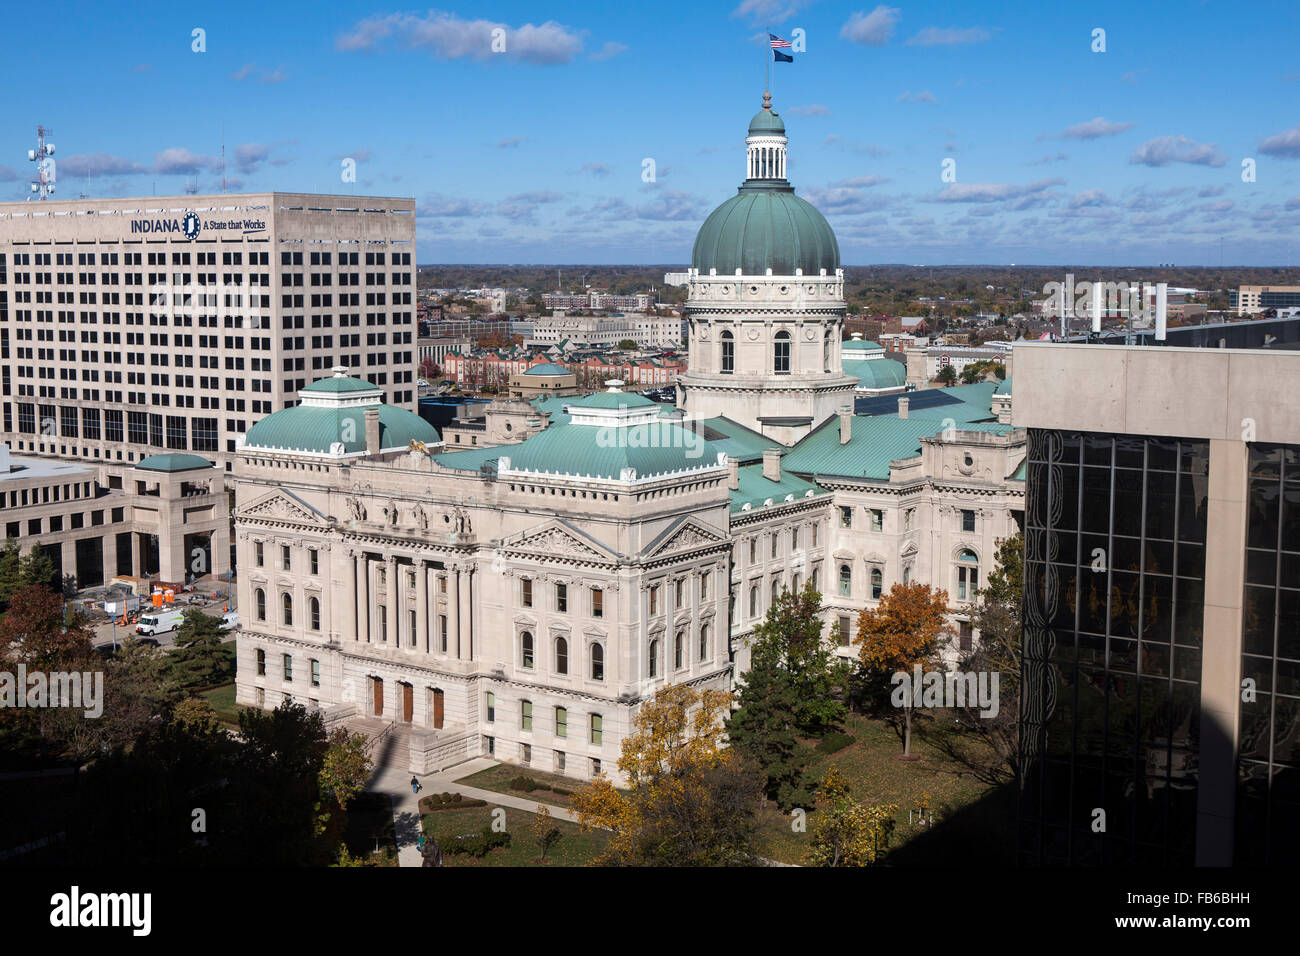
(860, 346)
(315, 429)
(548, 368)
(180, 462)
(339, 383)
(612, 400)
(878, 374)
(767, 122)
(763, 227)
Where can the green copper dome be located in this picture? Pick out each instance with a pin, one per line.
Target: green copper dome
(767, 121)
(315, 430)
(765, 227)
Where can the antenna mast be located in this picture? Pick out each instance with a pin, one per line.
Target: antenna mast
(43, 157)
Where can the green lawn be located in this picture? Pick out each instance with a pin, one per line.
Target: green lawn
(498, 779)
(222, 700)
(574, 848)
(876, 776)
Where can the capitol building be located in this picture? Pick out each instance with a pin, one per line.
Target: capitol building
(520, 599)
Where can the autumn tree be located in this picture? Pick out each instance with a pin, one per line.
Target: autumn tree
(689, 801)
(845, 833)
(794, 687)
(544, 831)
(907, 628)
(345, 767)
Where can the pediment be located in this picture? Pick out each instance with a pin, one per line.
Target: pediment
(282, 505)
(686, 534)
(558, 539)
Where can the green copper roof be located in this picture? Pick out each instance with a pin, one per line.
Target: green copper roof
(766, 226)
(754, 489)
(860, 345)
(739, 442)
(473, 459)
(874, 442)
(880, 373)
(314, 429)
(612, 400)
(1004, 387)
(548, 368)
(1019, 473)
(767, 122)
(555, 404)
(336, 384)
(657, 448)
(976, 404)
(172, 462)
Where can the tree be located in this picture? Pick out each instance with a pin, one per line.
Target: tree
(689, 801)
(845, 833)
(17, 571)
(199, 659)
(198, 716)
(947, 375)
(345, 767)
(626, 345)
(545, 833)
(905, 629)
(999, 619)
(793, 687)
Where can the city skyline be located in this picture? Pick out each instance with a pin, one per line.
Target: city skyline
(1140, 146)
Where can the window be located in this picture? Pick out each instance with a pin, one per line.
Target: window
(562, 597)
(313, 561)
(526, 595)
(559, 761)
(597, 729)
(815, 579)
(561, 656)
(967, 520)
(846, 516)
(907, 574)
(261, 662)
(753, 550)
(654, 599)
(753, 600)
(704, 642)
(491, 707)
(877, 583)
(597, 662)
(259, 601)
(258, 557)
(313, 613)
(442, 633)
(597, 602)
(964, 635)
(968, 573)
(842, 631)
(654, 658)
(595, 767)
(877, 519)
(525, 715)
(679, 643)
(526, 753)
(908, 516)
(561, 722)
(846, 580)
(704, 586)
(526, 649)
(781, 353)
(679, 594)
(794, 539)
(728, 353)
(315, 673)
(776, 544)
(288, 666)
(285, 562)
(286, 606)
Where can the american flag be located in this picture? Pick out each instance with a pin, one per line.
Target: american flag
(777, 42)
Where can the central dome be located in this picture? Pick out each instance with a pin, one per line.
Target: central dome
(765, 226)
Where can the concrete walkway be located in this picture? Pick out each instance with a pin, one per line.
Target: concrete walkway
(406, 805)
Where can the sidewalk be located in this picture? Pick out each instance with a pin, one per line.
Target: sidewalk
(406, 810)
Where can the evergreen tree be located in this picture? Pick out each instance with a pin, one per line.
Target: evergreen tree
(199, 660)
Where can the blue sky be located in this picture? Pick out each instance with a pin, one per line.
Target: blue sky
(1061, 154)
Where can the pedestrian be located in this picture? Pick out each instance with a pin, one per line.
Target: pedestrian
(415, 785)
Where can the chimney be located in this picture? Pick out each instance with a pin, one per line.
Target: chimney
(902, 407)
(733, 474)
(846, 423)
(772, 464)
(372, 431)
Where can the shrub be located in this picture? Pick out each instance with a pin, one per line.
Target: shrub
(478, 844)
(455, 798)
(527, 784)
(834, 741)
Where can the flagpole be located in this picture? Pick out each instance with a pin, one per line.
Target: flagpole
(767, 64)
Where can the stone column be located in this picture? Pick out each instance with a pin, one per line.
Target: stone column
(349, 594)
(453, 609)
(109, 544)
(68, 550)
(363, 597)
(1225, 575)
(421, 635)
(465, 636)
(393, 627)
(220, 548)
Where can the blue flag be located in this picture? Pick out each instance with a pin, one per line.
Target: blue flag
(777, 46)
(780, 57)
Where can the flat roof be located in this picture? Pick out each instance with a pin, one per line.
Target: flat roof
(24, 468)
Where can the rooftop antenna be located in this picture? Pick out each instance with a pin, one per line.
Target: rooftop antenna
(43, 157)
(223, 157)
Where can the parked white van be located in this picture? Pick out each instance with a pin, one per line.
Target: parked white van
(159, 622)
(229, 620)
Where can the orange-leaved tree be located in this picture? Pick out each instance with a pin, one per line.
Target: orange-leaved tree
(689, 800)
(906, 628)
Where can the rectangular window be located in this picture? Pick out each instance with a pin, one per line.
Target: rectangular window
(491, 707)
(595, 767)
(258, 556)
(776, 545)
(286, 563)
(597, 729)
(965, 632)
(315, 673)
(753, 550)
(288, 667)
(704, 586)
(526, 753)
(597, 602)
(654, 599)
(967, 520)
(562, 598)
(559, 761)
(846, 516)
(526, 715)
(561, 722)
(877, 519)
(442, 633)
(526, 594)
(843, 630)
(313, 561)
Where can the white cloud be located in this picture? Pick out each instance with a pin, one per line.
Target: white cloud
(446, 36)
(1095, 128)
(1089, 197)
(994, 192)
(871, 29)
(768, 11)
(952, 36)
(178, 159)
(1285, 145)
(608, 51)
(1164, 150)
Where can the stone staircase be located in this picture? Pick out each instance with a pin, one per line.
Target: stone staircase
(418, 750)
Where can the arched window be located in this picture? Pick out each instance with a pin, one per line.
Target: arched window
(597, 662)
(526, 649)
(728, 353)
(877, 583)
(907, 575)
(968, 574)
(286, 606)
(654, 658)
(826, 351)
(781, 353)
(678, 643)
(313, 612)
(846, 580)
(259, 601)
(704, 642)
(561, 656)
(261, 662)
